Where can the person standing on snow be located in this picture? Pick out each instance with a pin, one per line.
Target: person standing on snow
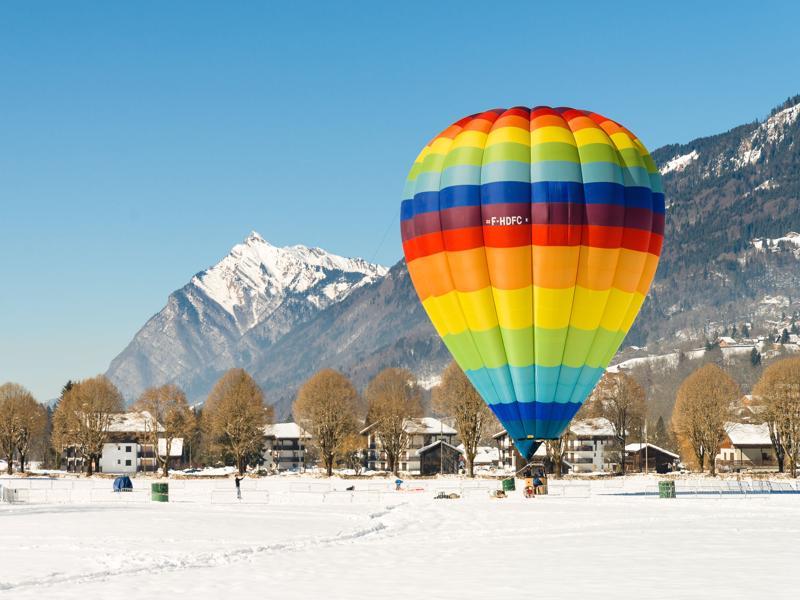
(238, 481)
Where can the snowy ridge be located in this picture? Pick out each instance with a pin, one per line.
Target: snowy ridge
(679, 163)
(770, 131)
(774, 244)
(255, 277)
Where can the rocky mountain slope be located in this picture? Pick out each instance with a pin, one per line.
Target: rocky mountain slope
(258, 291)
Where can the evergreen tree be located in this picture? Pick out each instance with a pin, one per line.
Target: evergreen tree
(755, 357)
(785, 336)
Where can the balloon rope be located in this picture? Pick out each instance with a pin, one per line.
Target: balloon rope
(385, 234)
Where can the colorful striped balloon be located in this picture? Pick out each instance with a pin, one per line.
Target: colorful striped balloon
(532, 237)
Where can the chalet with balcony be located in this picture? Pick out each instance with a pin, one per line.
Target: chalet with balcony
(747, 446)
(129, 446)
(285, 447)
(422, 434)
(649, 458)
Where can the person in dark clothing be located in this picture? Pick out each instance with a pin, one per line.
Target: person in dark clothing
(238, 481)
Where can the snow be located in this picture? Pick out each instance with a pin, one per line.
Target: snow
(767, 184)
(599, 426)
(679, 163)
(429, 382)
(748, 434)
(770, 131)
(427, 425)
(308, 543)
(772, 244)
(132, 422)
(285, 430)
(175, 448)
(252, 280)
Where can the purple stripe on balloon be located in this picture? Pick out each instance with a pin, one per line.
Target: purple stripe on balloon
(523, 213)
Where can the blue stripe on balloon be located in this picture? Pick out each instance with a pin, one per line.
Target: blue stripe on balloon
(506, 192)
(534, 383)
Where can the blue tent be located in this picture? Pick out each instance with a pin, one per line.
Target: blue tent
(123, 483)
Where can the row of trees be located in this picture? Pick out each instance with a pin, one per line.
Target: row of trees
(331, 410)
(230, 426)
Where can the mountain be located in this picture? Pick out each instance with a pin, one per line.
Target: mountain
(727, 196)
(730, 258)
(258, 291)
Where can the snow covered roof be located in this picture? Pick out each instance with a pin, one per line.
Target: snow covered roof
(420, 425)
(748, 434)
(637, 447)
(726, 340)
(599, 426)
(424, 449)
(132, 422)
(286, 430)
(500, 434)
(175, 448)
(485, 455)
(427, 425)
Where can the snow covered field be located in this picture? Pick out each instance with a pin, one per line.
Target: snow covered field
(304, 538)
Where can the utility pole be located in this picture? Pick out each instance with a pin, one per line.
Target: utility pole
(646, 446)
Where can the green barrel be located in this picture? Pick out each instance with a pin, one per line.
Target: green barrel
(509, 485)
(666, 489)
(159, 492)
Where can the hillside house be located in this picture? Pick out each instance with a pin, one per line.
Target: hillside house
(285, 447)
(421, 433)
(746, 446)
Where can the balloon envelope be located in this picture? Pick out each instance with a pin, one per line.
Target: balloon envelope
(532, 237)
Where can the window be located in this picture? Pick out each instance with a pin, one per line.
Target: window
(128, 463)
(127, 448)
(119, 461)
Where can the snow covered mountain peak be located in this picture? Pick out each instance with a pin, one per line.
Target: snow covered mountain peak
(255, 278)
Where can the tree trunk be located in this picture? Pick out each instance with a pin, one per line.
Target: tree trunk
(329, 464)
(779, 458)
(470, 466)
(622, 455)
(10, 468)
(21, 463)
(165, 472)
(90, 464)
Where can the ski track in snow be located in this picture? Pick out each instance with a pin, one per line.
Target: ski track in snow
(165, 562)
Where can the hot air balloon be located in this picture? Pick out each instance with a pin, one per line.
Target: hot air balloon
(532, 237)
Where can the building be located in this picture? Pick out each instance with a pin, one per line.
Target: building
(439, 457)
(508, 457)
(649, 457)
(591, 446)
(129, 447)
(421, 433)
(746, 446)
(285, 447)
(486, 457)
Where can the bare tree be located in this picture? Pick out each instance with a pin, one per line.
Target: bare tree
(33, 424)
(15, 411)
(556, 449)
(327, 406)
(234, 417)
(84, 416)
(456, 397)
(169, 418)
(393, 396)
(620, 399)
(702, 408)
(779, 389)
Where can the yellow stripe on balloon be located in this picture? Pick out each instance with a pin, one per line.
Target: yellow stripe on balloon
(551, 307)
(514, 135)
(514, 307)
(469, 138)
(591, 135)
(552, 133)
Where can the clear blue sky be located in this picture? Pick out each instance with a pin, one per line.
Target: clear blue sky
(139, 141)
